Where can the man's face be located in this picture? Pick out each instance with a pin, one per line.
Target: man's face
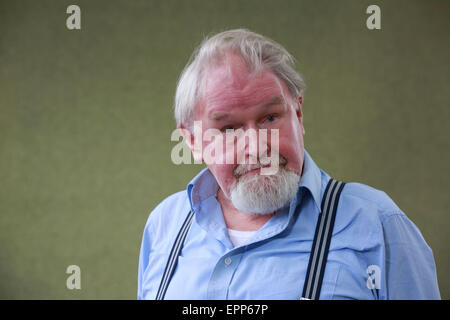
(233, 98)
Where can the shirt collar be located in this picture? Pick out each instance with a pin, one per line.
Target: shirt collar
(204, 184)
(312, 179)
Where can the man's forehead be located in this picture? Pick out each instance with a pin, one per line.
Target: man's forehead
(226, 88)
(230, 67)
(232, 70)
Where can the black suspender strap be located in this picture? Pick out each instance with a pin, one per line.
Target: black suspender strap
(321, 243)
(317, 258)
(173, 257)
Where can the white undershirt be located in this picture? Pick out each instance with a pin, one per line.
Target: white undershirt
(238, 237)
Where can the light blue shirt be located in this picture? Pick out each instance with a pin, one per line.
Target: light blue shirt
(376, 252)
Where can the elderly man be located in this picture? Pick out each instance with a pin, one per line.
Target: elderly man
(292, 233)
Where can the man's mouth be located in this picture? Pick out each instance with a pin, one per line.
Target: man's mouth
(250, 169)
(255, 170)
(242, 170)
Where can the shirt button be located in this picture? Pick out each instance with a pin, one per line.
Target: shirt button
(227, 261)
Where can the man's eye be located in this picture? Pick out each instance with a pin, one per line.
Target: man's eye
(271, 118)
(226, 128)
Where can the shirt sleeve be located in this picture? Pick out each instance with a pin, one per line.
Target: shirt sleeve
(410, 267)
(143, 259)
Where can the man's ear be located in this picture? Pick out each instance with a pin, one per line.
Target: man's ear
(189, 138)
(299, 111)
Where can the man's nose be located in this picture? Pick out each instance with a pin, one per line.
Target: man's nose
(255, 144)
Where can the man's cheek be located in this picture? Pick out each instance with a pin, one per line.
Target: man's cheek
(213, 147)
(294, 159)
(224, 176)
(271, 162)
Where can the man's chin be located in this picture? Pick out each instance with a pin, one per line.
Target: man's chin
(261, 194)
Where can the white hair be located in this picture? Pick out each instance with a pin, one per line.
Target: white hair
(256, 50)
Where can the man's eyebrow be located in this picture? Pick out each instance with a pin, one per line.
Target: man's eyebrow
(220, 116)
(274, 100)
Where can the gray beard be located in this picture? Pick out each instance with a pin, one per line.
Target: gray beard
(264, 194)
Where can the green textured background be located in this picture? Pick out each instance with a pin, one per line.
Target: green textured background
(86, 118)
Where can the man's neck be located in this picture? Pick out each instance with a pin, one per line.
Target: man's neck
(238, 220)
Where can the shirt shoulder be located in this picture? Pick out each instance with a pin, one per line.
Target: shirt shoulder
(375, 219)
(374, 203)
(379, 233)
(361, 213)
(168, 215)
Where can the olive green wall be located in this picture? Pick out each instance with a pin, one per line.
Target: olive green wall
(85, 122)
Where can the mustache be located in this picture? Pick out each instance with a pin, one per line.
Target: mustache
(242, 169)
